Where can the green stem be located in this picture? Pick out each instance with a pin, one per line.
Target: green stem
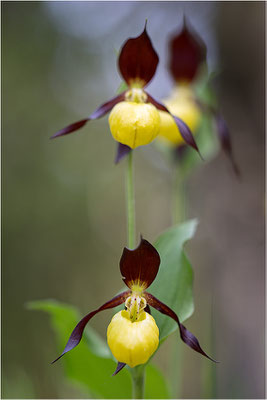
(138, 373)
(138, 381)
(130, 202)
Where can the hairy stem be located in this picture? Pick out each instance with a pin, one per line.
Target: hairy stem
(130, 202)
(138, 382)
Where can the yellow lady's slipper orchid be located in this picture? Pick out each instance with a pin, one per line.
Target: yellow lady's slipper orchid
(132, 342)
(132, 334)
(134, 120)
(187, 59)
(182, 104)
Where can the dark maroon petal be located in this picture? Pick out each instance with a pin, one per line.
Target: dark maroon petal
(98, 113)
(120, 365)
(140, 266)
(186, 336)
(187, 52)
(106, 107)
(122, 151)
(183, 128)
(157, 104)
(71, 128)
(186, 133)
(138, 60)
(77, 333)
(147, 309)
(224, 136)
(223, 133)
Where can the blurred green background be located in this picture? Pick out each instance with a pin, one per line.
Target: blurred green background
(63, 203)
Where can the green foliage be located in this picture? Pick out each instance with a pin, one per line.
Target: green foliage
(208, 145)
(206, 137)
(90, 365)
(206, 134)
(155, 385)
(63, 319)
(173, 285)
(204, 91)
(84, 365)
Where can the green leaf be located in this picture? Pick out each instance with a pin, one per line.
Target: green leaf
(208, 144)
(173, 285)
(90, 364)
(206, 135)
(64, 318)
(156, 386)
(204, 91)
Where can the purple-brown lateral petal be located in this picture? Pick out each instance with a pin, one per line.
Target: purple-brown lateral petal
(186, 134)
(140, 266)
(98, 113)
(224, 136)
(122, 151)
(187, 51)
(138, 60)
(185, 335)
(147, 309)
(77, 333)
(223, 133)
(183, 128)
(120, 365)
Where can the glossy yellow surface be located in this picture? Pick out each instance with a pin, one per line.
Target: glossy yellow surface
(134, 124)
(181, 104)
(132, 343)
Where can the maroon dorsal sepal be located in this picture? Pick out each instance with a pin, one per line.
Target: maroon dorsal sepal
(140, 266)
(138, 60)
(187, 53)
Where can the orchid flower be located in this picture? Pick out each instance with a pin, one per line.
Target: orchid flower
(134, 119)
(133, 335)
(188, 54)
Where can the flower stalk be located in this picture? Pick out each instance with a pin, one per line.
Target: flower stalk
(130, 202)
(138, 382)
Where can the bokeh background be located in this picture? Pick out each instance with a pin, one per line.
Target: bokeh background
(63, 202)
